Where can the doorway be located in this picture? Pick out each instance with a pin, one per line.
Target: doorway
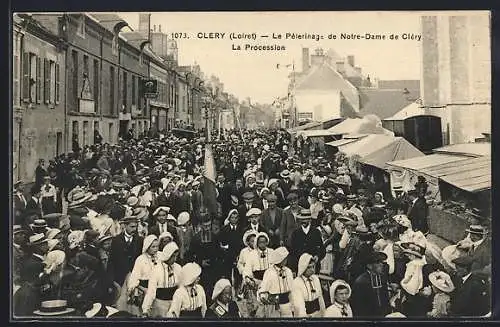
(123, 128)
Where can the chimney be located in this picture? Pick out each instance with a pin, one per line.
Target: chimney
(159, 28)
(305, 59)
(350, 60)
(144, 23)
(340, 67)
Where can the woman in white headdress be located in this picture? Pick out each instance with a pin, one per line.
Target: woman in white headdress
(137, 283)
(307, 294)
(340, 292)
(189, 299)
(163, 282)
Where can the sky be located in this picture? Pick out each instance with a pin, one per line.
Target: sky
(254, 74)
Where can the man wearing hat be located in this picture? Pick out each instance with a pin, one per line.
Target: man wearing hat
(33, 205)
(305, 239)
(370, 292)
(125, 248)
(418, 212)
(233, 170)
(271, 220)
(289, 222)
(248, 198)
(472, 295)
(254, 220)
(19, 202)
(480, 246)
(38, 246)
(274, 291)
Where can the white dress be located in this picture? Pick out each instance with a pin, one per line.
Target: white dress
(307, 297)
(188, 299)
(276, 283)
(163, 281)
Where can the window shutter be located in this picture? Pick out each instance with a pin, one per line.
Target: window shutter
(38, 80)
(57, 83)
(26, 77)
(46, 85)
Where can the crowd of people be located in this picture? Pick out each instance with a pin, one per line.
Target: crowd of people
(126, 231)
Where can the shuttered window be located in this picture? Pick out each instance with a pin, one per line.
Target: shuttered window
(46, 85)
(39, 80)
(26, 83)
(57, 83)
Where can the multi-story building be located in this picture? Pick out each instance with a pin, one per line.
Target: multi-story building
(38, 86)
(159, 106)
(183, 114)
(456, 74)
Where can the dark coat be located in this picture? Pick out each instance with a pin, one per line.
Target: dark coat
(268, 225)
(217, 312)
(472, 298)
(301, 243)
(482, 255)
(418, 214)
(242, 213)
(33, 207)
(232, 238)
(181, 203)
(364, 301)
(288, 225)
(122, 256)
(26, 300)
(163, 201)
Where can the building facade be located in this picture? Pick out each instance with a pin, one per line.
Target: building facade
(159, 106)
(38, 63)
(456, 74)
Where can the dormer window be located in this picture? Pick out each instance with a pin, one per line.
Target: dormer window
(81, 27)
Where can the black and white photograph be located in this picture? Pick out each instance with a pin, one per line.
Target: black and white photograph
(250, 165)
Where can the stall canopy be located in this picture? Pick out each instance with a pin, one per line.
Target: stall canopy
(366, 145)
(347, 139)
(399, 149)
(315, 133)
(349, 125)
(467, 149)
(472, 175)
(305, 127)
(369, 124)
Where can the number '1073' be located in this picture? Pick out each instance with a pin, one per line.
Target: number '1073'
(179, 36)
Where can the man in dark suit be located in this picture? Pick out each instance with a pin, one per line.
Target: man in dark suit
(125, 248)
(305, 239)
(230, 242)
(38, 248)
(233, 170)
(33, 205)
(288, 222)
(254, 221)
(162, 224)
(370, 292)
(418, 212)
(40, 173)
(480, 249)
(471, 297)
(271, 220)
(19, 203)
(249, 200)
(167, 198)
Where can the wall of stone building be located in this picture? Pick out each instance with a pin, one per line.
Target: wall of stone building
(39, 126)
(456, 74)
(322, 104)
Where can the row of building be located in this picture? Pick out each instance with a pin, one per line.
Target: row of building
(454, 88)
(78, 74)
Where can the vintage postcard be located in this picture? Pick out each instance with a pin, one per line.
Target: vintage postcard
(251, 165)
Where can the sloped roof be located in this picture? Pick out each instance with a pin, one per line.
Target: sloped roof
(325, 77)
(399, 149)
(411, 85)
(367, 145)
(471, 175)
(467, 149)
(107, 20)
(382, 102)
(411, 110)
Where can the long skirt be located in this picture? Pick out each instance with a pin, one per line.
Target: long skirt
(122, 304)
(271, 311)
(160, 308)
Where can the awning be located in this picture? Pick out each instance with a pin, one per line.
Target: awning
(347, 139)
(315, 133)
(366, 145)
(468, 149)
(349, 125)
(470, 174)
(304, 127)
(399, 149)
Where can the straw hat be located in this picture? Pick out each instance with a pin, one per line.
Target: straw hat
(442, 281)
(254, 212)
(53, 308)
(99, 310)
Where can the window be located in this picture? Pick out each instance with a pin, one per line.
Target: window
(171, 95)
(81, 27)
(85, 65)
(57, 79)
(27, 78)
(15, 73)
(75, 131)
(124, 92)
(183, 104)
(85, 133)
(38, 77)
(133, 90)
(96, 85)
(46, 85)
(74, 59)
(111, 90)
